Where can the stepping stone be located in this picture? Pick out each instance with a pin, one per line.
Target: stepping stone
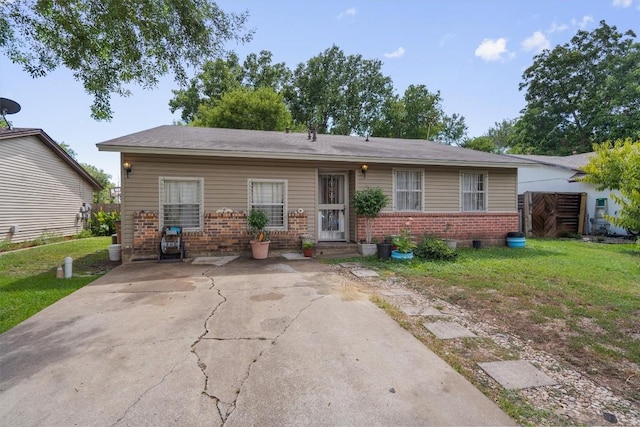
(295, 256)
(448, 330)
(411, 310)
(516, 374)
(218, 261)
(350, 265)
(363, 273)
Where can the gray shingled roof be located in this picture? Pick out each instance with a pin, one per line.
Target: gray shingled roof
(6, 134)
(573, 162)
(187, 140)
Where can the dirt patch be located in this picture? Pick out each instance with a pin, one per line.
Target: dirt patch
(551, 336)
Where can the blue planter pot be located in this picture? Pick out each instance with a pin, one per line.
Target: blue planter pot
(400, 255)
(516, 242)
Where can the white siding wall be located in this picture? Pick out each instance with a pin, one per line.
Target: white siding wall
(553, 179)
(39, 192)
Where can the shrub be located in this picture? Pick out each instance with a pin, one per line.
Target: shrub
(103, 223)
(434, 248)
(368, 203)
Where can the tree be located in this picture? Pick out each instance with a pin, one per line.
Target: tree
(453, 131)
(501, 134)
(481, 143)
(581, 92)
(617, 167)
(224, 75)
(337, 93)
(104, 195)
(244, 108)
(419, 115)
(109, 44)
(216, 78)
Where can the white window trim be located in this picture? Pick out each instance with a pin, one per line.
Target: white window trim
(394, 182)
(161, 180)
(486, 189)
(285, 210)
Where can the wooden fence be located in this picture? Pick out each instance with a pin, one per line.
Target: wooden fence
(552, 214)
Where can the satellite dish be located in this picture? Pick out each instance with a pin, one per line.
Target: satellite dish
(8, 106)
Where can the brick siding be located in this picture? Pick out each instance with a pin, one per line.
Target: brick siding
(222, 232)
(490, 227)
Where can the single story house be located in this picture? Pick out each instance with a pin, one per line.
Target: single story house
(557, 174)
(43, 190)
(207, 179)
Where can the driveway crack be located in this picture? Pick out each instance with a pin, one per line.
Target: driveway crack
(232, 405)
(164, 377)
(201, 365)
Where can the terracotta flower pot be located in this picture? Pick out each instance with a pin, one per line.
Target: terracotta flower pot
(260, 250)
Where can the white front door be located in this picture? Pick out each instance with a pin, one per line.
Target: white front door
(332, 199)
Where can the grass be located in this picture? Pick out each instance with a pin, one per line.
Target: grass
(576, 300)
(28, 282)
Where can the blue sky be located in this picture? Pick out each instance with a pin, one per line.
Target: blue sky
(473, 52)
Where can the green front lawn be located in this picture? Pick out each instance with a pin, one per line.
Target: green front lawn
(28, 281)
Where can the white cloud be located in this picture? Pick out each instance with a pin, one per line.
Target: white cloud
(554, 28)
(622, 3)
(537, 42)
(492, 50)
(399, 52)
(349, 12)
(583, 22)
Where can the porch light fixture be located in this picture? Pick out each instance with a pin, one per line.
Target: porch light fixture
(127, 168)
(364, 169)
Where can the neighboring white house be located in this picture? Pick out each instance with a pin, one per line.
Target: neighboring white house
(43, 191)
(560, 174)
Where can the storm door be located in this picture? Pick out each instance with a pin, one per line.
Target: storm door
(332, 199)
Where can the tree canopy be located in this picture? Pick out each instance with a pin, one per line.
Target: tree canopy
(245, 108)
(333, 92)
(617, 167)
(109, 44)
(582, 92)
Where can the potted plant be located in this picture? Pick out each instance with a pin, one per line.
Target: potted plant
(452, 243)
(368, 203)
(257, 221)
(404, 242)
(307, 248)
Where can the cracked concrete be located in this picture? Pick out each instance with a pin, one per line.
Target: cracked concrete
(246, 343)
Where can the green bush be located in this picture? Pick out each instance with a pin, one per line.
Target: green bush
(103, 223)
(434, 248)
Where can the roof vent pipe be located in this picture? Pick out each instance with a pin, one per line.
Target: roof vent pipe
(315, 135)
(287, 129)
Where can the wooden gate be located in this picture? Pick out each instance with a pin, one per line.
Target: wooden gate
(552, 214)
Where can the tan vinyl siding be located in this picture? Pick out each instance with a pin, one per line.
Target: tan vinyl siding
(503, 190)
(442, 189)
(39, 192)
(225, 184)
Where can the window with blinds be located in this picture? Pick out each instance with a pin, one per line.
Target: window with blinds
(181, 202)
(271, 197)
(408, 190)
(474, 191)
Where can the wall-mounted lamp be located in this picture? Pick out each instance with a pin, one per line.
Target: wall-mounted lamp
(364, 169)
(127, 168)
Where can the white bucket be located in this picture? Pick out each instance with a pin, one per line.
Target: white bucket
(114, 252)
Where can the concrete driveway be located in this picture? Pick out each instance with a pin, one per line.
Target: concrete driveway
(269, 342)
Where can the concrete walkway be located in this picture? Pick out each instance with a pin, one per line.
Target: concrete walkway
(269, 342)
